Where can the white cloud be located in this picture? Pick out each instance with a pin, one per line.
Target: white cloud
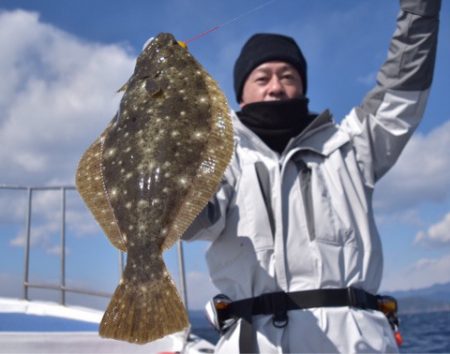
(42, 235)
(13, 206)
(423, 273)
(56, 250)
(437, 234)
(83, 223)
(421, 175)
(46, 220)
(57, 94)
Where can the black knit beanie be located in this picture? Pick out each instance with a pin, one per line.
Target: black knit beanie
(264, 47)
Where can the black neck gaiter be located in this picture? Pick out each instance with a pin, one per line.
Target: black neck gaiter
(276, 122)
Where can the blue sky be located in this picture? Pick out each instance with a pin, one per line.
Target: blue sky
(62, 62)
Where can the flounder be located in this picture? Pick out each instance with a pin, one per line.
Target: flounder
(148, 176)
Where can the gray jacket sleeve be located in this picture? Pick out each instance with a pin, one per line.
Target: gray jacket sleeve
(381, 126)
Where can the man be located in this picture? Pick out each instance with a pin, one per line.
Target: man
(294, 242)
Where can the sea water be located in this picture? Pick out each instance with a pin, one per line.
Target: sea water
(426, 332)
(422, 333)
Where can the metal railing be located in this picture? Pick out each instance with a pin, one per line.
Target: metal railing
(62, 287)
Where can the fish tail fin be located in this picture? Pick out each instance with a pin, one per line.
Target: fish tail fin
(141, 312)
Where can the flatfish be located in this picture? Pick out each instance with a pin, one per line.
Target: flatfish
(148, 176)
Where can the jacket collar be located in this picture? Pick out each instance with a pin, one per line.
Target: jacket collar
(322, 136)
(329, 139)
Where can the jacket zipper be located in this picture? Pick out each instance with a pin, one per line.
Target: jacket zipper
(306, 190)
(264, 183)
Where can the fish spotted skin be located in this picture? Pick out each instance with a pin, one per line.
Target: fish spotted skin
(149, 175)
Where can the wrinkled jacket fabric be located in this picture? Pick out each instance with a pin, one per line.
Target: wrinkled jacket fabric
(304, 220)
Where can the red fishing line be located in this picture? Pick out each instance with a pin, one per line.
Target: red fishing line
(215, 28)
(202, 34)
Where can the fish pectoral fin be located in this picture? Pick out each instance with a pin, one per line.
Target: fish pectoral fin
(123, 88)
(152, 87)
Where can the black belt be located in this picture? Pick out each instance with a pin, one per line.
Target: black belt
(278, 303)
(274, 303)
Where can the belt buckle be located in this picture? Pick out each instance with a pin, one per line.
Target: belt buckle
(224, 319)
(278, 304)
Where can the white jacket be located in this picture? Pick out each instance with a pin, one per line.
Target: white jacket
(304, 220)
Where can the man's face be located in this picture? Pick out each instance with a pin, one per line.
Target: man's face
(272, 81)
